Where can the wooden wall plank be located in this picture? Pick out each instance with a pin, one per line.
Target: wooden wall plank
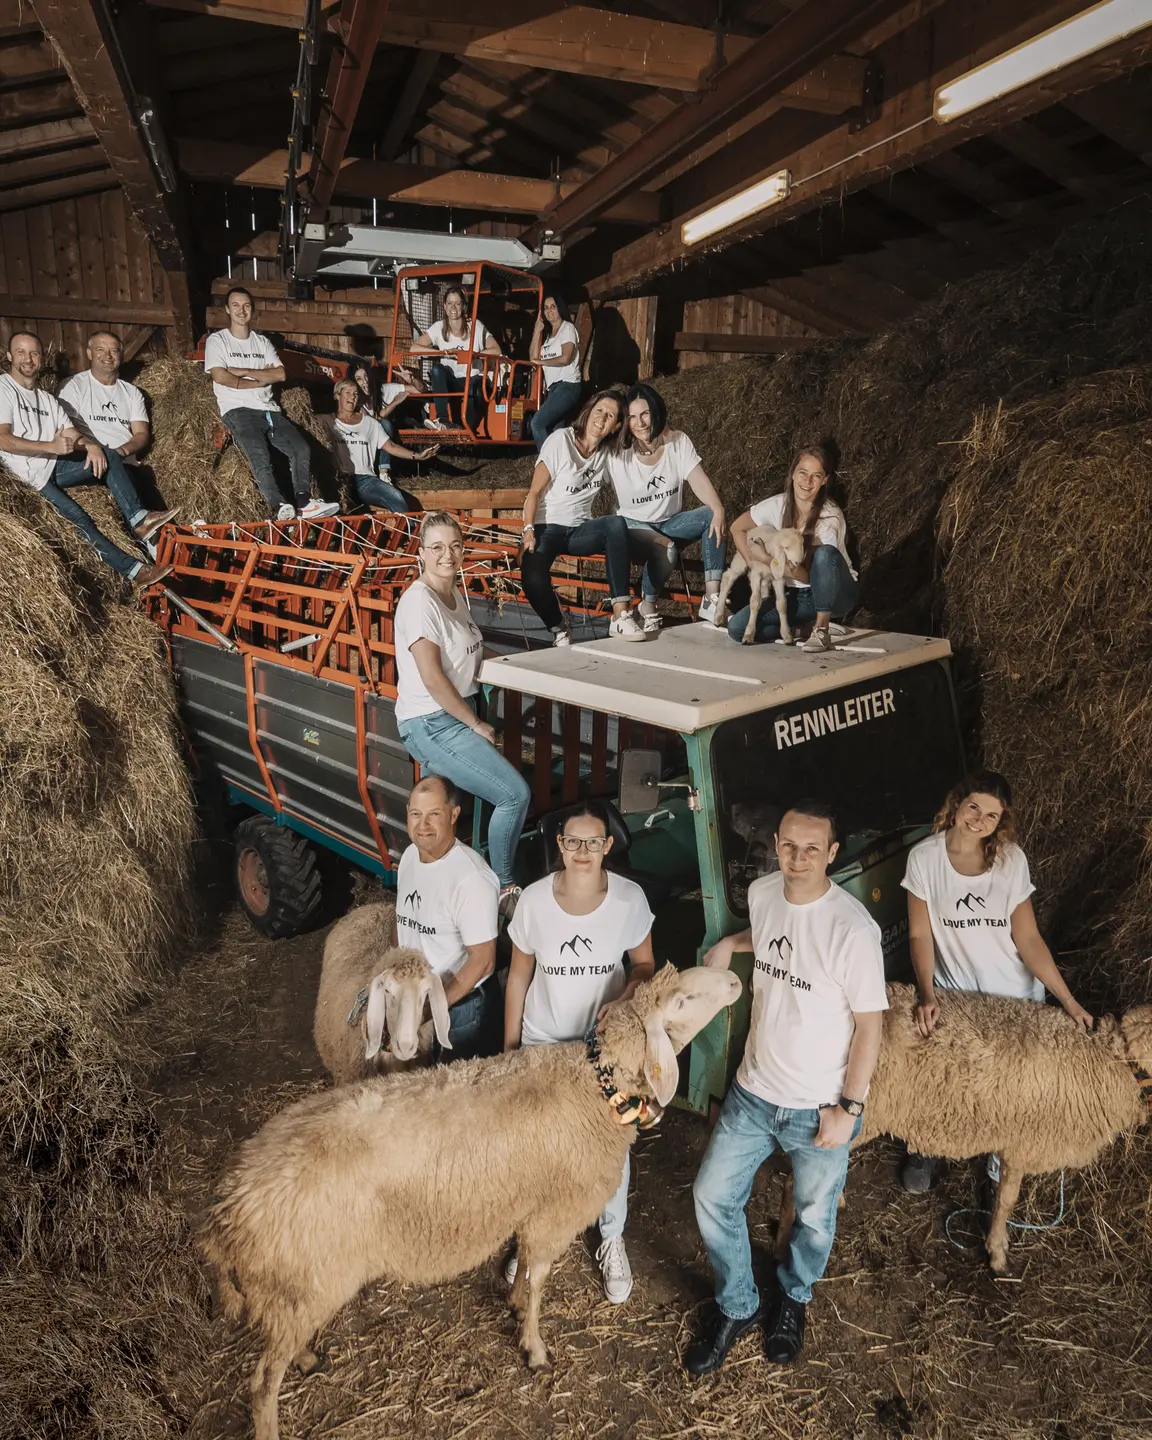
(41, 249)
(14, 239)
(115, 238)
(93, 270)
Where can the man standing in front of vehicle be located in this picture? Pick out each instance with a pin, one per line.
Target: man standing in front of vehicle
(817, 1018)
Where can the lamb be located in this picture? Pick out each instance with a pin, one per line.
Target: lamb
(360, 956)
(779, 547)
(422, 1176)
(1007, 1077)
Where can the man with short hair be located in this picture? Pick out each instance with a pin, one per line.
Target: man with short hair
(44, 449)
(818, 999)
(105, 407)
(446, 907)
(364, 446)
(244, 366)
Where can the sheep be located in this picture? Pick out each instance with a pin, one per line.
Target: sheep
(419, 1177)
(360, 955)
(779, 547)
(1007, 1077)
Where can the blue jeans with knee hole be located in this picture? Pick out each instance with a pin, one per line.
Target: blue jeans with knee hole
(445, 746)
(750, 1129)
(830, 587)
(681, 529)
(66, 475)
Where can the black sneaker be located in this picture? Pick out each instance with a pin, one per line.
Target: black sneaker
(710, 1351)
(785, 1340)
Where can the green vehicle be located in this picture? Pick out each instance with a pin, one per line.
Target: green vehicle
(702, 745)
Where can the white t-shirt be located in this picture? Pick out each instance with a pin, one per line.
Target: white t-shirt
(653, 492)
(971, 917)
(579, 958)
(421, 615)
(816, 965)
(390, 391)
(33, 415)
(222, 349)
(438, 335)
(831, 528)
(567, 334)
(106, 412)
(358, 446)
(576, 479)
(445, 906)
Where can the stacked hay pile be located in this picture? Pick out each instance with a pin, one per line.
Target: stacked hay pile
(98, 1285)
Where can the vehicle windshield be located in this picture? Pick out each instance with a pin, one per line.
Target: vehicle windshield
(882, 753)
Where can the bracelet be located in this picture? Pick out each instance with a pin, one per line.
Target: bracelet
(529, 525)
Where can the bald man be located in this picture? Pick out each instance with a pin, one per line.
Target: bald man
(43, 448)
(446, 907)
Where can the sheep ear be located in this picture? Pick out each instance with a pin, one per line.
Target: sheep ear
(375, 1019)
(438, 1003)
(660, 1067)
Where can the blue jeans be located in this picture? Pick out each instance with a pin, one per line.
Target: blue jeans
(476, 1024)
(615, 1215)
(830, 587)
(445, 746)
(67, 474)
(448, 411)
(257, 433)
(661, 560)
(375, 490)
(561, 399)
(749, 1131)
(607, 536)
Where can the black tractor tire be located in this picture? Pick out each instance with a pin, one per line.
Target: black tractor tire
(277, 879)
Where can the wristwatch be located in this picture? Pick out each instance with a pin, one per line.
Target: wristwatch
(853, 1107)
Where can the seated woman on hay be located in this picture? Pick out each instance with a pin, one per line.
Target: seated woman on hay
(824, 584)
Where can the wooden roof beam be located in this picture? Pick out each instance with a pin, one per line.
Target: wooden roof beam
(904, 135)
(1115, 111)
(415, 87)
(44, 192)
(43, 139)
(358, 33)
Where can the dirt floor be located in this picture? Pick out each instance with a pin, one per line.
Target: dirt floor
(908, 1335)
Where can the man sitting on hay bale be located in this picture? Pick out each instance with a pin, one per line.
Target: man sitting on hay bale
(244, 366)
(40, 445)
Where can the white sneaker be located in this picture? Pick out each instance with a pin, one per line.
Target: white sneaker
(431, 423)
(562, 638)
(512, 1264)
(319, 510)
(819, 642)
(992, 1166)
(286, 512)
(650, 617)
(615, 1269)
(708, 611)
(626, 627)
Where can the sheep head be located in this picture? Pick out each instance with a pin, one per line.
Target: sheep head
(396, 1000)
(641, 1038)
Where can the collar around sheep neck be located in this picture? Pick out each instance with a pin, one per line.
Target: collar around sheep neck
(617, 1103)
(1139, 1074)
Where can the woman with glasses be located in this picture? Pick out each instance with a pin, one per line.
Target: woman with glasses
(439, 652)
(569, 937)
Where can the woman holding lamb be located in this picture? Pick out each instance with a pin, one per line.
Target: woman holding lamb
(824, 584)
(970, 920)
(569, 936)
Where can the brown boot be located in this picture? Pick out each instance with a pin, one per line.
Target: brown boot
(153, 522)
(151, 575)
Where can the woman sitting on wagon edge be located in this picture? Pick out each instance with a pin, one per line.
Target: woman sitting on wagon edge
(824, 584)
(558, 518)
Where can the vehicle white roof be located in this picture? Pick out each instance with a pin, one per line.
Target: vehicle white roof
(688, 677)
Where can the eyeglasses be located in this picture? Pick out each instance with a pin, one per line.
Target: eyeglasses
(593, 843)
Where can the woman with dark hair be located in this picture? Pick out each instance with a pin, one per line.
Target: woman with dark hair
(970, 870)
(555, 346)
(824, 584)
(569, 937)
(649, 466)
(558, 518)
(448, 336)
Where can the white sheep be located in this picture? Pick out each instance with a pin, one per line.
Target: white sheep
(372, 999)
(778, 548)
(419, 1177)
(1005, 1077)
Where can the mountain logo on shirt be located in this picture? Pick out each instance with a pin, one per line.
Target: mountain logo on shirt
(413, 899)
(778, 945)
(572, 944)
(969, 900)
(655, 482)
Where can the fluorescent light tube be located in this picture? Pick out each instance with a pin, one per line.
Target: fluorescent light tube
(769, 191)
(1084, 34)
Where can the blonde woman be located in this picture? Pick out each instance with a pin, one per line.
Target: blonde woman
(439, 651)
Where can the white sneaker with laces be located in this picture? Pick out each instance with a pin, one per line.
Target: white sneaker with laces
(650, 617)
(615, 1269)
(819, 642)
(319, 510)
(431, 423)
(626, 627)
(562, 638)
(707, 611)
(286, 512)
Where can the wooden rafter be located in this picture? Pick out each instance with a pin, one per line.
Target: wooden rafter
(407, 103)
(75, 307)
(358, 33)
(44, 139)
(70, 187)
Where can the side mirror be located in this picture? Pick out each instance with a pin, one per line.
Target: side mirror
(639, 781)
